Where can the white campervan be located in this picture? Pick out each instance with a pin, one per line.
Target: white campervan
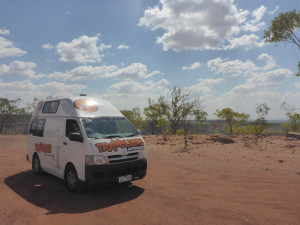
(85, 140)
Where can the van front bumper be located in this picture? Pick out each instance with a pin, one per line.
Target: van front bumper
(110, 173)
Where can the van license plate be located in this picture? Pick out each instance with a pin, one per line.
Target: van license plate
(125, 178)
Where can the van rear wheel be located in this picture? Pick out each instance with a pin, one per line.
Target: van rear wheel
(72, 181)
(36, 165)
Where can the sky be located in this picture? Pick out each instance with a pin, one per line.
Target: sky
(129, 51)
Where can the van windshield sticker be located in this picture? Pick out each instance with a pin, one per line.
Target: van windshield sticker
(130, 144)
(86, 105)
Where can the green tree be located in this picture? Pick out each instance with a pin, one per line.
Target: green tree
(9, 113)
(153, 112)
(135, 117)
(260, 125)
(163, 123)
(200, 116)
(234, 121)
(294, 118)
(283, 29)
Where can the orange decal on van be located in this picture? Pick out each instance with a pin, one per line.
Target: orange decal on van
(115, 144)
(86, 105)
(41, 147)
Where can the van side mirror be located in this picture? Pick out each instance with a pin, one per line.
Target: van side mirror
(139, 132)
(75, 137)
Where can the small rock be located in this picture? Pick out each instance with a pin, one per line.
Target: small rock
(280, 161)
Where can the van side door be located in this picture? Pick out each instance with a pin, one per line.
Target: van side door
(36, 139)
(74, 149)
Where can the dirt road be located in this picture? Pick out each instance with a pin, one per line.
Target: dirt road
(207, 183)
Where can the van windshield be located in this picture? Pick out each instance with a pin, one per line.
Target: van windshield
(108, 127)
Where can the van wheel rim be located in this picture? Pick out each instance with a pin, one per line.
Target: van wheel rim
(72, 179)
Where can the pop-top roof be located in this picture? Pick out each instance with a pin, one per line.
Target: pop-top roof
(80, 106)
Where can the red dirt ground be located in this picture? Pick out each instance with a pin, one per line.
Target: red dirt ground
(209, 182)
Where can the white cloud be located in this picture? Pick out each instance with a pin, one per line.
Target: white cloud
(234, 67)
(269, 80)
(255, 25)
(261, 86)
(83, 73)
(57, 86)
(81, 50)
(47, 46)
(204, 86)
(104, 46)
(132, 72)
(27, 91)
(19, 68)
(257, 76)
(129, 94)
(7, 49)
(259, 13)
(270, 62)
(134, 88)
(193, 66)
(194, 24)
(4, 32)
(25, 85)
(247, 41)
(297, 84)
(274, 11)
(123, 47)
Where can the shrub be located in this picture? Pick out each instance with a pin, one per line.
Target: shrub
(180, 132)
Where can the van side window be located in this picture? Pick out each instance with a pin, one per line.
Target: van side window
(50, 107)
(72, 127)
(37, 127)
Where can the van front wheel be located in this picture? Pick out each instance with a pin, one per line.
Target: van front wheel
(72, 180)
(36, 165)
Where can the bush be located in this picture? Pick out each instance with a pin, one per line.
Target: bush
(180, 132)
(256, 130)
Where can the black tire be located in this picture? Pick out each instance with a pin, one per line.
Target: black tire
(71, 179)
(36, 165)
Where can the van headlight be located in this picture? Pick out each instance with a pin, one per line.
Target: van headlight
(142, 154)
(95, 160)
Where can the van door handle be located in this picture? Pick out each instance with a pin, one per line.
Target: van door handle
(65, 143)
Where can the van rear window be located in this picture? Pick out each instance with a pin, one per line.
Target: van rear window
(50, 107)
(37, 127)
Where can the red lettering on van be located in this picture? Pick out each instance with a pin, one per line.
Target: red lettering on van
(114, 145)
(41, 147)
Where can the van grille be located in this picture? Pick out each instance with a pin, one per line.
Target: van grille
(123, 158)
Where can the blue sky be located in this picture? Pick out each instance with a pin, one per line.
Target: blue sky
(129, 51)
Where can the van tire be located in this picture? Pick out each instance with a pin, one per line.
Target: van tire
(71, 179)
(36, 165)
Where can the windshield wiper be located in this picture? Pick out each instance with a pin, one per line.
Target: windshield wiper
(131, 135)
(111, 136)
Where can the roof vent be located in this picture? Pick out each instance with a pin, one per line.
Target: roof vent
(82, 95)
